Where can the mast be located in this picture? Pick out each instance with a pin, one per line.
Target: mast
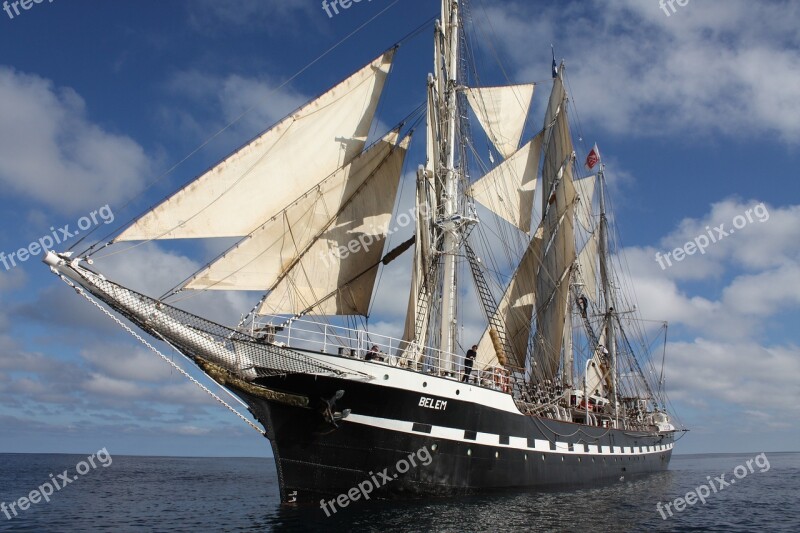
(569, 356)
(451, 238)
(608, 293)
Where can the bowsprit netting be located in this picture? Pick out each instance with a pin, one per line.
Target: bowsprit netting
(238, 352)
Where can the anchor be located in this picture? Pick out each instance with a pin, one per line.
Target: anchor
(332, 416)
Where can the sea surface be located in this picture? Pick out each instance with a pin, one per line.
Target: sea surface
(205, 494)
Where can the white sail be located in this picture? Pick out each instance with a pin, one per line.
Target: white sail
(508, 189)
(553, 278)
(558, 204)
(587, 263)
(515, 310)
(502, 111)
(336, 274)
(258, 260)
(585, 188)
(266, 175)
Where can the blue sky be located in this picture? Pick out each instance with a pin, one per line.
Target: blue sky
(697, 115)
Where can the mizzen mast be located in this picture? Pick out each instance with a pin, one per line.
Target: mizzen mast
(608, 294)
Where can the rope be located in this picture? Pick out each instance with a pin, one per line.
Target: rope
(411, 35)
(161, 355)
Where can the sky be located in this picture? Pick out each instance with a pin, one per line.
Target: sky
(108, 107)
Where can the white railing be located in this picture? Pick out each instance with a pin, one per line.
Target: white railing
(380, 349)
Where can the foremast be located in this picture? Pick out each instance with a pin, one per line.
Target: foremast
(447, 81)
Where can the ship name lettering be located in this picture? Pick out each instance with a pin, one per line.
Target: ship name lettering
(432, 403)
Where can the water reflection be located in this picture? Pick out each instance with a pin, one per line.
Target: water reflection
(616, 506)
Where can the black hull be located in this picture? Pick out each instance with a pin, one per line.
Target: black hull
(460, 448)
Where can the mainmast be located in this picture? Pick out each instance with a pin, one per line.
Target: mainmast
(448, 86)
(608, 292)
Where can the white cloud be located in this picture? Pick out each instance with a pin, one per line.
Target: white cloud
(123, 362)
(744, 375)
(766, 293)
(153, 271)
(713, 67)
(253, 103)
(727, 367)
(192, 431)
(115, 388)
(757, 267)
(768, 237)
(51, 152)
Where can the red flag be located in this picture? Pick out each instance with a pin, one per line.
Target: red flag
(593, 158)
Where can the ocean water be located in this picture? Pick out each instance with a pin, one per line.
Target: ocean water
(204, 494)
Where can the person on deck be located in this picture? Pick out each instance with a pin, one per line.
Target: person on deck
(374, 354)
(266, 334)
(469, 360)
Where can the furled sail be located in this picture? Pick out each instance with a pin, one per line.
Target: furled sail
(558, 206)
(508, 189)
(557, 140)
(266, 175)
(598, 378)
(256, 262)
(418, 314)
(502, 111)
(419, 299)
(587, 263)
(336, 274)
(516, 310)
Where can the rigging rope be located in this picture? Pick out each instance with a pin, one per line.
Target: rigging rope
(155, 350)
(405, 38)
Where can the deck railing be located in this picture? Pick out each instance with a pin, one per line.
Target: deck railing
(382, 349)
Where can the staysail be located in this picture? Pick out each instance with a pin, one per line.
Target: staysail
(587, 264)
(515, 310)
(502, 112)
(258, 260)
(508, 189)
(585, 189)
(266, 175)
(336, 274)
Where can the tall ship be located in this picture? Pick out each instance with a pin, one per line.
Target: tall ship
(560, 388)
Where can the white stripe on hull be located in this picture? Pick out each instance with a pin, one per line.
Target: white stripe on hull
(518, 443)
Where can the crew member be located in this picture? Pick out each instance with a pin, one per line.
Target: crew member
(469, 360)
(374, 354)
